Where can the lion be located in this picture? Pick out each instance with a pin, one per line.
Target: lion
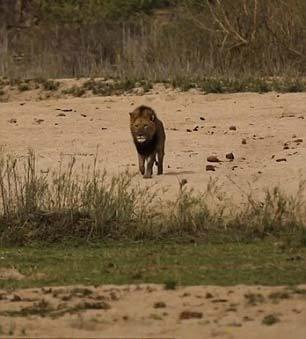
(149, 138)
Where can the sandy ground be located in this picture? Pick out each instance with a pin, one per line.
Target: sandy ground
(150, 311)
(273, 126)
(272, 154)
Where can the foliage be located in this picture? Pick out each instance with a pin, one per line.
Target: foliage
(63, 204)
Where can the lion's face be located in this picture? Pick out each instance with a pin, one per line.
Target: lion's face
(143, 125)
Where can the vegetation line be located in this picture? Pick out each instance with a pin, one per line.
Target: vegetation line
(65, 204)
(152, 39)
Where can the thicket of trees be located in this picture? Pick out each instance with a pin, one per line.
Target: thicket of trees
(156, 39)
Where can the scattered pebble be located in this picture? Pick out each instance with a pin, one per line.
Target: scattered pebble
(188, 130)
(287, 115)
(39, 121)
(212, 158)
(243, 141)
(195, 128)
(64, 109)
(210, 168)
(202, 118)
(190, 315)
(281, 159)
(84, 115)
(12, 121)
(61, 115)
(233, 128)
(159, 304)
(230, 156)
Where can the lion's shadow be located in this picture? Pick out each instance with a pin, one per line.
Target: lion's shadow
(178, 172)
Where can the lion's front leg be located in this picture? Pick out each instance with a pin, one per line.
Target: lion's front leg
(160, 160)
(141, 162)
(150, 163)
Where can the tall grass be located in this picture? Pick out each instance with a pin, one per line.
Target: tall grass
(66, 204)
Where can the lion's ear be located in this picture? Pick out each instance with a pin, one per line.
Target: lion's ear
(131, 115)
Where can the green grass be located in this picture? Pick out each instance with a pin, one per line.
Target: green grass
(68, 227)
(167, 263)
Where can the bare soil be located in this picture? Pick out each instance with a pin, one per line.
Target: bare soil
(150, 311)
(266, 134)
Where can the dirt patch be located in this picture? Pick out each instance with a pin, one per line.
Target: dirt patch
(186, 312)
(264, 123)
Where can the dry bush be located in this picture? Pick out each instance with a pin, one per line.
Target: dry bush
(190, 39)
(63, 204)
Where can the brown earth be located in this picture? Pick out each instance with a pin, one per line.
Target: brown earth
(238, 312)
(265, 132)
(268, 145)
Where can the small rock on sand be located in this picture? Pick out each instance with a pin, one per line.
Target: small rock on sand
(195, 128)
(190, 315)
(230, 156)
(210, 168)
(212, 158)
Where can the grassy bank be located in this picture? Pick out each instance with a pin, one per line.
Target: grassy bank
(166, 263)
(68, 227)
(41, 88)
(66, 204)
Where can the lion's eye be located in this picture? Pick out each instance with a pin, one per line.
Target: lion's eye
(145, 126)
(136, 126)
